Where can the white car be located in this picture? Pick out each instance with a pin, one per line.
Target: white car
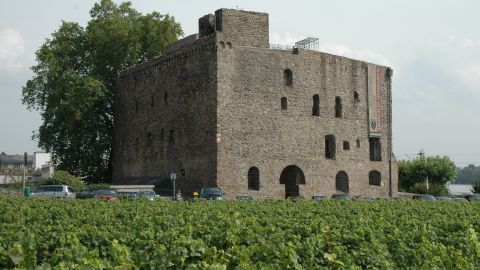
(54, 191)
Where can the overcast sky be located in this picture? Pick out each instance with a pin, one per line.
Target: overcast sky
(432, 46)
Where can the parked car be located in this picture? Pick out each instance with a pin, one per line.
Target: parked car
(319, 197)
(458, 199)
(147, 194)
(85, 194)
(364, 198)
(244, 198)
(211, 193)
(54, 191)
(341, 196)
(424, 197)
(106, 194)
(473, 197)
(443, 198)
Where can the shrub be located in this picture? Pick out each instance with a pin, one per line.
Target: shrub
(476, 186)
(65, 178)
(433, 189)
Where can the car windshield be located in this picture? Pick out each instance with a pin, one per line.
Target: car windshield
(148, 193)
(105, 192)
(211, 191)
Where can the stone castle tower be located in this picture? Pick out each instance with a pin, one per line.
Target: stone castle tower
(222, 108)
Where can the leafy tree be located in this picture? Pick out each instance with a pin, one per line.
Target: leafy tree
(476, 186)
(74, 80)
(468, 174)
(412, 174)
(64, 178)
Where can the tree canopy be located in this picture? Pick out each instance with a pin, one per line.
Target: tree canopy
(468, 174)
(412, 174)
(74, 80)
(64, 178)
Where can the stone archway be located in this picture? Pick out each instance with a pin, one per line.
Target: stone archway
(291, 177)
(341, 182)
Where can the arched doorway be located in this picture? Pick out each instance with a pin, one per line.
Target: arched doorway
(291, 177)
(341, 182)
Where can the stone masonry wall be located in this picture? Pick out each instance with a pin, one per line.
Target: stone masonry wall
(255, 131)
(166, 116)
(243, 28)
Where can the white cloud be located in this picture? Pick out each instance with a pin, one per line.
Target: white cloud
(332, 48)
(469, 74)
(12, 50)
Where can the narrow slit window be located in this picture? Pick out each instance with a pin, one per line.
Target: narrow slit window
(149, 139)
(284, 103)
(330, 147)
(316, 106)
(171, 138)
(356, 96)
(375, 149)
(338, 107)
(287, 77)
(253, 178)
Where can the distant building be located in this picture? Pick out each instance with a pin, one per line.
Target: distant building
(15, 161)
(40, 158)
(225, 108)
(47, 171)
(457, 189)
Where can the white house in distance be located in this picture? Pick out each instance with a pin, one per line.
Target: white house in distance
(40, 158)
(41, 161)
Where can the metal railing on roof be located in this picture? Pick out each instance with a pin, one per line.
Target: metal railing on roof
(309, 43)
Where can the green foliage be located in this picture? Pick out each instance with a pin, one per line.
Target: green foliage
(476, 186)
(74, 81)
(98, 186)
(64, 178)
(468, 175)
(434, 189)
(329, 234)
(413, 173)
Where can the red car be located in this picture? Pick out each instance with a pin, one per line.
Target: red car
(106, 194)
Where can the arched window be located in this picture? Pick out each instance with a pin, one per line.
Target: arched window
(229, 45)
(330, 147)
(287, 77)
(374, 178)
(136, 106)
(165, 98)
(283, 102)
(338, 107)
(341, 182)
(254, 178)
(316, 106)
(152, 101)
(358, 143)
(222, 44)
(356, 96)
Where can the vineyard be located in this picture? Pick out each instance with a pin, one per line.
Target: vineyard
(93, 234)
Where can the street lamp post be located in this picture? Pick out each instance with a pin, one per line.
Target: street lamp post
(422, 155)
(173, 177)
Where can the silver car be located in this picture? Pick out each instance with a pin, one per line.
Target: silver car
(54, 191)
